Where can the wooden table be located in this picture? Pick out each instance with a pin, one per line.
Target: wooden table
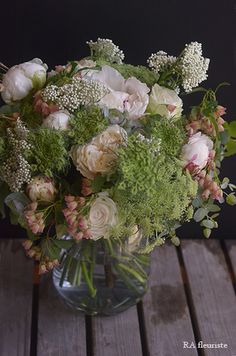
(191, 297)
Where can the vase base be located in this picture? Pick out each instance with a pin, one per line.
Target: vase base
(106, 302)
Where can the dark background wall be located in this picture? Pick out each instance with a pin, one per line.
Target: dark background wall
(56, 31)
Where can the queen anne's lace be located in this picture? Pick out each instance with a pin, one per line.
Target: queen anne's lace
(105, 48)
(78, 92)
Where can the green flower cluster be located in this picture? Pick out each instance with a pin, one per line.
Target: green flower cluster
(85, 124)
(172, 134)
(49, 154)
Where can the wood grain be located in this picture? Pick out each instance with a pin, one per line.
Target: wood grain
(166, 313)
(61, 331)
(231, 248)
(16, 276)
(118, 335)
(212, 293)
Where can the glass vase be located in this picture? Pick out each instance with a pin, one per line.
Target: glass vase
(97, 278)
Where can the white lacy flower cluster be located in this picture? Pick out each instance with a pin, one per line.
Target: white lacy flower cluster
(193, 66)
(105, 48)
(160, 61)
(190, 65)
(72, 96)
(16, 170)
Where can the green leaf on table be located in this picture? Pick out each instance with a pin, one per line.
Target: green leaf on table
(207, 233)
(175, 241)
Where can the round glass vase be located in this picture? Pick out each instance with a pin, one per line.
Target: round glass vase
(97, 278)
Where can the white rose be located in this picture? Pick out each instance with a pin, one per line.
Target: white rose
(129, 96)
(41, 188)
(99, 155)
(22, 78)
(58, 120)
(165, 102)
(196, 151)
(102, 216)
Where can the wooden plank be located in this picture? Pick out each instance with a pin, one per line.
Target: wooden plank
(231, 248)
(117, 335)
(166, 312)
(212, 293)
(61, 331)
(16, 276)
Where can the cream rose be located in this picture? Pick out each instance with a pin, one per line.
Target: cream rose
(99, 155)
(102, 216)
(22, 78)
(165, 102)
(197, 150)
(58, 120)
(127, 96)
(41, 188)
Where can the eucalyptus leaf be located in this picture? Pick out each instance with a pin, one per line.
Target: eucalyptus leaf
(207, 233)
(213, 208)
(17, 202)
(208, 224)
(224, 183)
(197, 202)
(200, 214)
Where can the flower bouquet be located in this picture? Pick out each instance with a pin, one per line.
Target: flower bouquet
(100, 165)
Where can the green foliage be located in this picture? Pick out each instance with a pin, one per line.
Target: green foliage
(28, 114)
(172, 134)
(229, 138)
(153, 191)
(48, 154)
(142, 73)
(85, 124)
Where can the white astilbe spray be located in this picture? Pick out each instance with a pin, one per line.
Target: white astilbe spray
(193, 66)
(160, 61)
(106, 49)
(79, 92)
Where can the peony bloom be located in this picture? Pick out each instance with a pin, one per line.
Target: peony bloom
(164, 102)
(102, 216)
(196, 152)
(99, 155)
(127, 96)
(41, 188)
(22, 78)
(58, 120)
